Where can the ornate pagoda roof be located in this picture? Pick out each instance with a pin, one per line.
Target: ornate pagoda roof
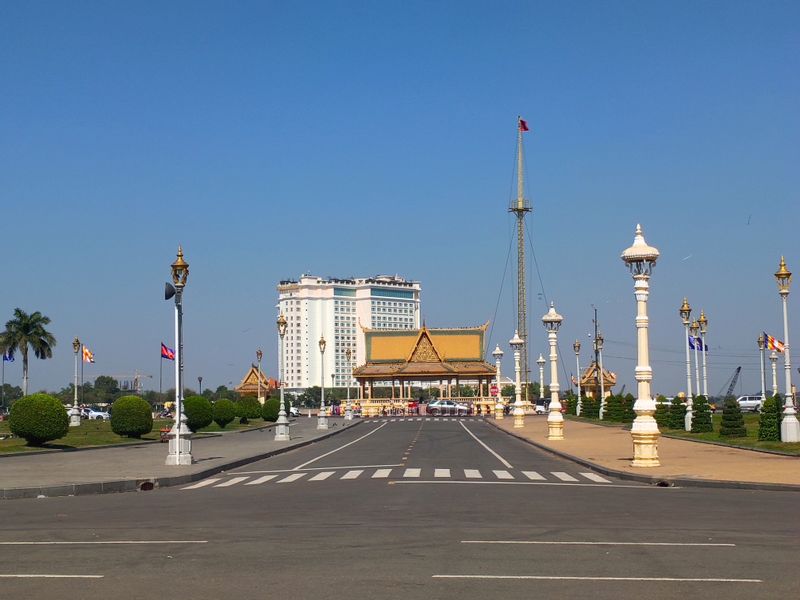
(249, 384)
(589, 378)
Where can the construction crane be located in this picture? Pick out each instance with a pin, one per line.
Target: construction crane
(731, 383)
(131, 381)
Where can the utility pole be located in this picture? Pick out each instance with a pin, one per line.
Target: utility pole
(520, 208)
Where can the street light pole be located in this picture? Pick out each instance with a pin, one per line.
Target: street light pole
(75, 413)
(259, 356)
(695, 329)
(322, 419)
(282, 424)
(685, 311)
(348, 408)
(555, 419)
(761, 364)
(180, 445)
(602, 375)
(577, 348)
(200, 384)
(703, 321)
(499, 409)
(790, 426)
(541, 362)
(519, 413)
(640, 259)
(773, 358)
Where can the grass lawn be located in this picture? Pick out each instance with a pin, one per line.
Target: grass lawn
(98, 433)
(751, 441)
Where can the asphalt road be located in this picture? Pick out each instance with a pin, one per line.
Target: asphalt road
(406, 509)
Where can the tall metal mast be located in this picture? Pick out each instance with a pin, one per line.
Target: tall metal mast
(519, 208)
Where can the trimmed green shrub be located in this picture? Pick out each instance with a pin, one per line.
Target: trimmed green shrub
(677, 414)
(627, 408)
(223, 412)
(248, 407)
(769, 425)
(571, 402)
(701, 415)
(131, 417)
(613, 409)
(779, 407)
(198, 412)
(590, 408)
(662, 412)
(732, 419)
(39, 418)
(269, 411)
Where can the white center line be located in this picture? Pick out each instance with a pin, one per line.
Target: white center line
(291, 478)
(297, 468)
(43, 576)
(231, 482)
(563, 476)
(506, 464)
(203, 483)
(381, 473)
(575, 578)
(441, 472)
(321, 476)
(352, 474)
(261, 480)
(104, 542)
(561, 543)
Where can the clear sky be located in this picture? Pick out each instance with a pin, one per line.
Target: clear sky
(357, 138)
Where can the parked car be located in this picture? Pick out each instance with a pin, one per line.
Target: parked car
(294, 411)
(749, 403)
(91, 414)
(447, 407)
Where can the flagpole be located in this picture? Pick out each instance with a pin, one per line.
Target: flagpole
(82, 361)
(3, 384)
(160, 378)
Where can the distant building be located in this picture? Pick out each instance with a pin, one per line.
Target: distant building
(339, 310)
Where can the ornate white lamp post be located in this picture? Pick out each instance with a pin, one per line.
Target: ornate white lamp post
(640, 259)
(322, 419)
(599, 342)
(790, 427)
(259, 356)
(499, 409)
(694, 329)
(773, 359)
(761, 342)
(577, 348)
(180, 445)
(703, 322)
(685, 312)
(555, 419)
(75, 412)
(519, 413)
(348, 408)
(282, 424)
(541, 362)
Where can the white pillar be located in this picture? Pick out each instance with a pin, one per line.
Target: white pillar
(705, 372)
(790, 426)
(519, 412)
(687, 422)
(578, 370)
(773, 358)
(282, 424)
(555, 419)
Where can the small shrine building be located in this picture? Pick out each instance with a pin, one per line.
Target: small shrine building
(590, 381)
(249, 385)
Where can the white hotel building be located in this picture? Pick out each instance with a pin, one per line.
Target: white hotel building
(338, 309)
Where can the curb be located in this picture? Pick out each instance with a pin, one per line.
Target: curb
(150, 483)
(659, 481)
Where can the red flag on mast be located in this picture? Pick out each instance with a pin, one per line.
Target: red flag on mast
(523, 125)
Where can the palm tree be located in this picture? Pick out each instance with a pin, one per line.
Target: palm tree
(27, 330)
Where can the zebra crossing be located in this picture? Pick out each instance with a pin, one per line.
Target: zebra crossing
(375, 420)
(403, 474)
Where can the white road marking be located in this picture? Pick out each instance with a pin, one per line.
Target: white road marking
(203, 483)
(381, 474)
(533, 475)
(231, 482)
(393, 420)
(313, 469)
(554, 543)
(351, 474)
(43, 576)
(104, 542)
(291, 478)
(419, 418)
(500, 474)
(441, 472)
(563, 476)
(605, 486)
(472, 474)
(575, 578)
(297, 468)
(595, 477)
(436, 418)
(261, 480)
(321, 476)
(506, 464)
(412, 473)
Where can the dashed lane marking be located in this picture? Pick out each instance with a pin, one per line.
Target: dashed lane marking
(412, 472)
(231, 482)
(261, 480)
(503, 474)
(441, 472)
(381, 474)
(564, 476)
(321, 476)
(351, 474)
(291, 478)
(472, 474)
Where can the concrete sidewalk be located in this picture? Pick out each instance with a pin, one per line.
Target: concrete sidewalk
(609, 449)
(129, 468)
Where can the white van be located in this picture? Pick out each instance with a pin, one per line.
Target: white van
(749, 403)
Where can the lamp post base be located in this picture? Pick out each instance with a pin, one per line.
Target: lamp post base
(790, 427)
(74, 417)
(282, 428)
(555, 426)
(498, 411)
(180, 455)
(519, 418)
(687, 421)
(645, 436)
(322, 421)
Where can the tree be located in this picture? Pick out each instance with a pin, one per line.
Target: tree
(677, 414)
(223, 412)
(39, 418)
(732, 419)
(26, 331)
(106, 388)
(701, 415)
(769, 428)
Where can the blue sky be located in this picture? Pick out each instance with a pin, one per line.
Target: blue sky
(356, 138)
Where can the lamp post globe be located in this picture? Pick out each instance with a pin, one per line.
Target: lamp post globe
(640, 258)
(180, 444)
(576, 347)
(282, 424)
(75, 412)
(348, 408)
(516, 344)
(790, 427)
(322, 419)
(555, 419)
(499, 408)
